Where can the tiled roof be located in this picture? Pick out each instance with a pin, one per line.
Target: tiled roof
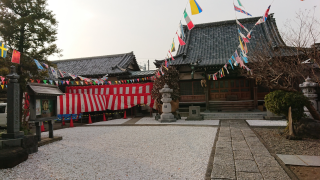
(214, 43)
(143, 73)
(100, 65)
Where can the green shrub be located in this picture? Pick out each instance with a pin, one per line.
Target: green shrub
(278, 102)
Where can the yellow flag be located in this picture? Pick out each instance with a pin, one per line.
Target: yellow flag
(241, 45)
(77, 82)
(2, 86)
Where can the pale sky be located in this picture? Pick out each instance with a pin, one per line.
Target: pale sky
(147, 27)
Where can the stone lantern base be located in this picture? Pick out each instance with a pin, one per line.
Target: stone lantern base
(167, 117)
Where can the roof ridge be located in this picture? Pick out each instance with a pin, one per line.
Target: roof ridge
(94, 57)
(232, 21)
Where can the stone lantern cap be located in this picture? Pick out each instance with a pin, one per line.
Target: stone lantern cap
(308, 83)
(166, 89)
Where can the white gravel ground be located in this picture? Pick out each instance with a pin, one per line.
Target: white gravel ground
(113, 121)
(148, 152)
(266, 123)
(149, 120)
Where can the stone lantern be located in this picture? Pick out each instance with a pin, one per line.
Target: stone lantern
(309, 90)
(166, 115)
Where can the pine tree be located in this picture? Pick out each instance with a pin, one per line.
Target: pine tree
(29, 27)
(171, 78)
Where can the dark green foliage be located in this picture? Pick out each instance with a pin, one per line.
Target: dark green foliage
(29, 27)
(279, 102)
(171, 77)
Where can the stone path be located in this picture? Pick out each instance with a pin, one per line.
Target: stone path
(239, 154)
(300, 160)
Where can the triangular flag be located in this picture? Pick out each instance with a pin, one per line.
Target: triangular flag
(259, 21)
(226, 67)
(171, 56)
(38, 64)
(2, 86)
(50, 81)
(181, 29)
(195, 8)
(56, 82)
(67, 82)
(45, 81)
(2, 78)
(38, 80)
(181, 42)
(128, 81)
(77, 82)
(249, 34)
(240, 4)
(243, 37)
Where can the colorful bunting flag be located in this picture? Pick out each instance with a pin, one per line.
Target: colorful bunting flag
(259, 21)
(243, 37)
(45, 65)
(4, 49)
(230, 62)
(240, 4)
(265, 16)
(54, 72)
(15, 57)
(241, 25)
(238, 59)
(195, 8)
(249, 34)
(56, 82)
(226, 67)
(38, 64)
(45, 81)
(181, 42)
(181, 29)
(188, 20)
(240, 10)
(50, 81)
(173, 46)
(171, 55)
(61, 74)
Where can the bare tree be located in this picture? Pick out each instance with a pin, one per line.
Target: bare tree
(287, 66)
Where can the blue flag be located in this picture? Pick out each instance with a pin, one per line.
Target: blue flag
(230, 63)
(38, 64)
(181, 29)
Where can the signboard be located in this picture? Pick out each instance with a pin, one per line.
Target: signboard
(38, 107)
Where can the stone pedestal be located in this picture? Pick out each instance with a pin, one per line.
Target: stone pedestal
(309, 90)
(194, 114)
(166, 115)
(13, 107)
(271, 116)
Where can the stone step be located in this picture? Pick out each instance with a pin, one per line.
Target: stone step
(234, 115)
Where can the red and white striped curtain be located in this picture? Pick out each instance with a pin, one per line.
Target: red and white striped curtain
(68, 104)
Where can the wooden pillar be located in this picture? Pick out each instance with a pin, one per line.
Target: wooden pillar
(50, 124)
(38, 130)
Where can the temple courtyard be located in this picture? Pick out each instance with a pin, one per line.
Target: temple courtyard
(142, 148)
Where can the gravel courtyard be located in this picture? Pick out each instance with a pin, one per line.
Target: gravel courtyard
(140, 152)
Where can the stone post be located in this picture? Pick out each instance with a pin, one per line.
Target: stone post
(309, 90)
(13, 107)
(166, 115)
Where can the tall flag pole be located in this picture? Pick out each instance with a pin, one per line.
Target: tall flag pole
(195, 8)
(188, 20)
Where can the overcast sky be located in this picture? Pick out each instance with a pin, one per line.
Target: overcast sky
(147, 27)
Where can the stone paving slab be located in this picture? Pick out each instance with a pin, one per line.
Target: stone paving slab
(266, 123)
(114, 121)
(149, 120)
(291, 159)
(239, 154)
(300, 160)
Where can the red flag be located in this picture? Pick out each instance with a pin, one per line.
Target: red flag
(171, 55)
(15, 57)
(181, 42)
